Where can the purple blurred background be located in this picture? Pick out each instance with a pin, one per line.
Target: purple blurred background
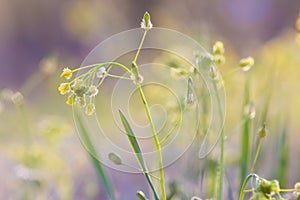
(33, 29)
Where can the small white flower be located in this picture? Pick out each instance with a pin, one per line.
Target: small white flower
(250, 110)
(213, 72)
(93, 91)
(140, 79)
(246, 63)
(101, 72)
(145, 26)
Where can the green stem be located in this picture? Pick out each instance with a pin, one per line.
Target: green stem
(116, 64)
(222, 145)
(170, 132)
(140, 47)
(102, 80)
(287, 190)
(156, 140)
(157, 143)
(118, 77)
(256, 155)
(242, 194)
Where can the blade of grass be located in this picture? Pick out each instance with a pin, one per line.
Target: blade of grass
(137, 151)
(283, 158)
(222, 146)
(245, 137)
(102, 174)
(230, 191)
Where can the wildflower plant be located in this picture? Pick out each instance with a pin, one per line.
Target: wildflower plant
(198, 68)
(166, 101)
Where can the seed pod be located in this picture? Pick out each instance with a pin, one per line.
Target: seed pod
(190, 94)
(263, 131)
(141, 195)
(115, 158)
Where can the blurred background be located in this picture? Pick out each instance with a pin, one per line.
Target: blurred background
(40, 154)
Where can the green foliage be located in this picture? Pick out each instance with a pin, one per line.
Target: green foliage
(102, 174)
(137, 150)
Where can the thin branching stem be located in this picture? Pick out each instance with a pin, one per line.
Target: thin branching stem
(155, 137)
(242, 194)
(256, 155)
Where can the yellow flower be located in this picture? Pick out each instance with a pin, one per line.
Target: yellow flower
(70, 100)
(89, 110)
(67, 73)
(64, 88)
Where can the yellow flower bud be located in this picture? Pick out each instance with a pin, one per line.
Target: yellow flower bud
(89, 110)
(70, 100)
(81, 101)
(64, 88)
(275, 186)
(246, 63)
(218, 48)
(263, 131)
(67, 73)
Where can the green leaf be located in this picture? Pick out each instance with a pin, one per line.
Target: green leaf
(283, 156)
(102, 175)
(137, 151)
(245, 137)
